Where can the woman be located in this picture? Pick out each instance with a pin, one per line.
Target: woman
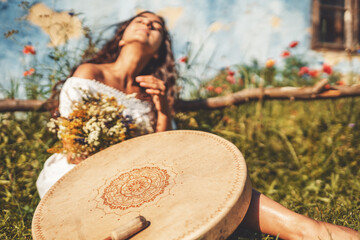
(139, 60)
(141, 46)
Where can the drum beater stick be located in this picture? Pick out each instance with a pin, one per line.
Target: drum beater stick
(131, 228)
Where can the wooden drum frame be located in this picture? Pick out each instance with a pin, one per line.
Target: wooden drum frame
(188, 184)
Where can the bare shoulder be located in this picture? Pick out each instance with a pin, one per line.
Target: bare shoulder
(89, 71)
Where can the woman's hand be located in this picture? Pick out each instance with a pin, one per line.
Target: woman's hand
(157, 89)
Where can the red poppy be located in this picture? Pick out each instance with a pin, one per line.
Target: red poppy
(293, 44)
(313, 73)
(270, 63)
(327, 86)
(29, 49)
(230, 79)
(184, 59)
(29, 72)
(340, 82)
(303, 70)
(210, 88)
(218, 90)
(230, 73)
(285, 54)
(327, 69)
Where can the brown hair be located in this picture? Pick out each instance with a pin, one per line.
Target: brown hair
(162, 68)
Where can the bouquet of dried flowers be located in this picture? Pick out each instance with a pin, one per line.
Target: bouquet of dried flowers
(96, 123)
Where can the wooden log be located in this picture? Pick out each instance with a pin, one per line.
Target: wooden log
(13, 105)
(315, 92)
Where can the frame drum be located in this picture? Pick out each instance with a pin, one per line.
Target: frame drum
(188, 184)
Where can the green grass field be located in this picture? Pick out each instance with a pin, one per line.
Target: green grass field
(304, 155)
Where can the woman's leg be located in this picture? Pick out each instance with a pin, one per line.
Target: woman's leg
(270, 217)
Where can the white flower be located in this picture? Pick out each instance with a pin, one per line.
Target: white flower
(51, 125)
(110, 109)
(93, 137)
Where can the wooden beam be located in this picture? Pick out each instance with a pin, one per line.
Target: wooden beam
(315, 92)
(14, 105)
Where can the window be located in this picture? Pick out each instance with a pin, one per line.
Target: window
(335, 24)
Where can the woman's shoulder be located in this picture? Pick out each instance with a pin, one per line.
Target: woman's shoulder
(89, 71)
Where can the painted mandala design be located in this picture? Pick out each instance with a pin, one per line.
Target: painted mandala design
(136, 187)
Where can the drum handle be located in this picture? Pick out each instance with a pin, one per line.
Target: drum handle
(131, 228)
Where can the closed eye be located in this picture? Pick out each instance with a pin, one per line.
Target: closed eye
(154, 25)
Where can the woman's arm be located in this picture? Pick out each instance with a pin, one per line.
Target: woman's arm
(156, 88)
(163, 115)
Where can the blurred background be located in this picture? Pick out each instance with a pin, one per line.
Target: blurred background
(212, 34)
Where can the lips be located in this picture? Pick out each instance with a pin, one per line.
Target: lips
(147, 31)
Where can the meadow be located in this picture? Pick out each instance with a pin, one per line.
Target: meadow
(303, 154)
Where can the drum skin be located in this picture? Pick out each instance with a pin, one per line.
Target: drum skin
(188, 184)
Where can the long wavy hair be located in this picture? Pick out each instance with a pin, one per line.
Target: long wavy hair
(162, 67)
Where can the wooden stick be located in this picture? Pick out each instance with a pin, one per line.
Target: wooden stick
(131, 228)
(315, 92)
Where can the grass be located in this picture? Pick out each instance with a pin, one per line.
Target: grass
(304, 155)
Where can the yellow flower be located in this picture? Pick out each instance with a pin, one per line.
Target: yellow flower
(96, 123)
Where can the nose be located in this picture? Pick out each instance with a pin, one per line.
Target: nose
(147, 22)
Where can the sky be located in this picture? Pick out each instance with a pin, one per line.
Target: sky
(228, 32)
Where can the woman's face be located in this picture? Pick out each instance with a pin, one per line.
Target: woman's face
(147, 29)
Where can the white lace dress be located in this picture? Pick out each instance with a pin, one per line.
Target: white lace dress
(56, 165)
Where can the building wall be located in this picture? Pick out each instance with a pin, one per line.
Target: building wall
(228, 32)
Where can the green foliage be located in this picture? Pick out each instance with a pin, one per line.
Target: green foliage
(23, 143)
(304, 155)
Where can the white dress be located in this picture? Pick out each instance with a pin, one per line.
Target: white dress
(56, 165)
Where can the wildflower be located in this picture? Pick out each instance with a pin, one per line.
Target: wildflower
(313, 73)
(270, 63)
(327, 69)
(218, 90)
(303, 70)
(340, 83)
(327, 86)
(210, 88)
(230, 73)
(52, 125)
(285, 54)
(351, 125)
(29, 72)
(230, 79)
(184, 59)
(293, 44)
(92, 119)
(29, 49)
